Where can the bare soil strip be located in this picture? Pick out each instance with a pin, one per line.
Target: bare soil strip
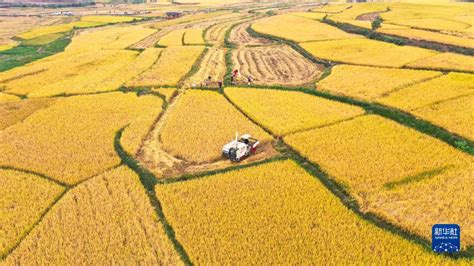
(274, 65)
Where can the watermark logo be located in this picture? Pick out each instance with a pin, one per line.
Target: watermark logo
(446, 238)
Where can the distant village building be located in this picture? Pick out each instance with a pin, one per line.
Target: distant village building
(173, 14)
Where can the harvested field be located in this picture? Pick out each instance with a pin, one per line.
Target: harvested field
(216, 34)
(240, 36)
(274, 65)
(212, 65)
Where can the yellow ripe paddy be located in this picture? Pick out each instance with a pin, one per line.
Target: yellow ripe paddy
(284, 112)
(371, 82)
(186, 132)
(368, 152)
(193, 37)
(456, 115)
(118, 126)
(443, 88)
(446, 62)
(174, 63)
(74, 139)
(24, 198)
(220, 220)
(123, 228)
(366, 52)
(308, 30)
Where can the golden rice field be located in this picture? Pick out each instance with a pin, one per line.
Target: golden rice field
(443, 88)
(193, 37)
(446, 62)
(371, 82)
(24, 198)
(118, 124)
(366, 52)
(123, 228)
(173, 38)
(456, 115)
(370, 156)
(72, 140)
(284, 112)
(174, 63)
(186, 132)
(236, 220)
(309, 30)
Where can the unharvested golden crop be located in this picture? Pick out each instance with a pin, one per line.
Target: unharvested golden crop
(97, 71)
(416, 206)
(426, 35)
(439, 89)
(432, 23)
(74, 138)
(24, 198)
(273, 214)
(283, 112)
(446, 61)
(456, 115)
(36, 32)
(174, 63)
(193, 37)
(366, 52)
(369, 152)
(200, 123)
(283, 26)
(15, 111)
(109, 38)
(169, 93)
(109, 19)
(371, 82)
(174, 38)
(6, 98)
(104, 221)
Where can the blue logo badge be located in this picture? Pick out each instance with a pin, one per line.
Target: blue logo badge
(446, 238)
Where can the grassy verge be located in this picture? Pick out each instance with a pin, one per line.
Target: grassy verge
(29, 51)
(149, 181)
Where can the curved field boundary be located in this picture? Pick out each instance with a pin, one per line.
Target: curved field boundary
(149, 181)
(66, 187)
(399, 40)
(396, 115)
(343, 195)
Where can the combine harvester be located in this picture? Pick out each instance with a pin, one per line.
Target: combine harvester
(240, 148)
